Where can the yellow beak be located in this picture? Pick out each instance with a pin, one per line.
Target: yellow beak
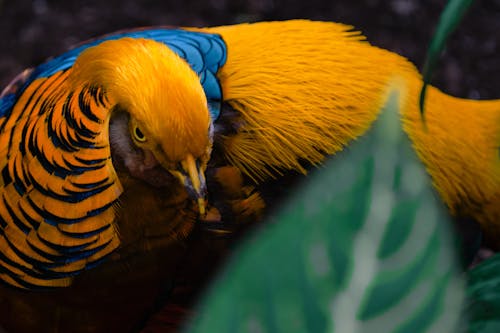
(193, 178)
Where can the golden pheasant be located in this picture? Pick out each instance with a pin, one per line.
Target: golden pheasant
(137, 121)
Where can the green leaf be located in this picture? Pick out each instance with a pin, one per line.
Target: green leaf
(451, 16)
(483, 296)
(356, 250)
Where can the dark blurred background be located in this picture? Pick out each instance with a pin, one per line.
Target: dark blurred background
(31, 31)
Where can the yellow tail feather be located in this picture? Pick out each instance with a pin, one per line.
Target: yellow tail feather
(459, 145)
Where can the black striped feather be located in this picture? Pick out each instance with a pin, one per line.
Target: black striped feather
(58, 186)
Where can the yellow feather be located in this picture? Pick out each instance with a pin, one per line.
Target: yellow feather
(100, 240)
(460, 148)
(307, 88)
(114, 242)
(71, 210)
(19, 240)
(7, 278)
(94, 176)
(11, 199)
(56, 282)
(91, 223)
(26, 103)
(300, 98)
(53, 235)
(35, 242)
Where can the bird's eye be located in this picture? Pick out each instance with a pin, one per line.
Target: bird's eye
(139, 136)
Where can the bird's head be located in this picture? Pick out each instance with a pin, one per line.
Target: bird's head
(162, 117)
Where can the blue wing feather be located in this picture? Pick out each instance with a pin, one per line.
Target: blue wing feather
(205, 53)
(6, 104)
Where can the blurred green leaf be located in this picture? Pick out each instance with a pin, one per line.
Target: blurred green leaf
(483, 296)
(451, 16)
(364, 247)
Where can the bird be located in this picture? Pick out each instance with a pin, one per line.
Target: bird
(167, 128)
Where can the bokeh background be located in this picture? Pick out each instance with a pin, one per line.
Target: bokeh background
(32, 31)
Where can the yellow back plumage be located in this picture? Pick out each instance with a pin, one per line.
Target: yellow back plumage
(155, 85)
(299, 95)
(311, 87)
